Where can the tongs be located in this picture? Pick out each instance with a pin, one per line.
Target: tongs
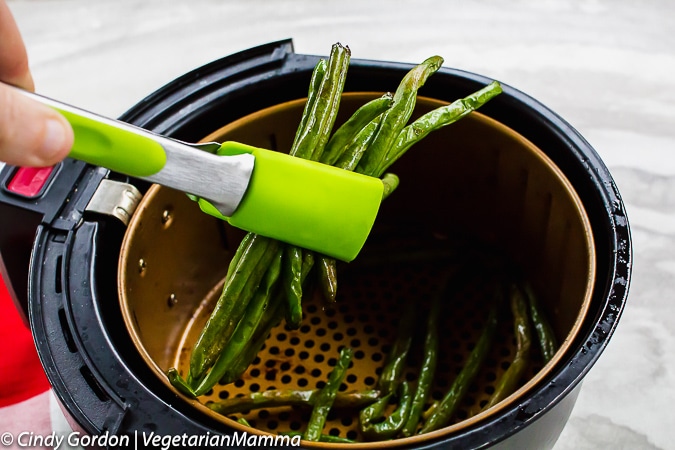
(301, 202)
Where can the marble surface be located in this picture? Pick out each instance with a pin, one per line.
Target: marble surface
(606, 66)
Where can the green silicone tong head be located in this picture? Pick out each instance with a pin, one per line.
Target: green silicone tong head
(301, 202)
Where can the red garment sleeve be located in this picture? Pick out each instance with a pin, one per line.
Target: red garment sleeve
(21, 374)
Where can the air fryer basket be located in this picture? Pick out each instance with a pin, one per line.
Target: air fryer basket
(475, 188)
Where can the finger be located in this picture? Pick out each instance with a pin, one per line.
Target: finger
(31, 134)
(13, 60)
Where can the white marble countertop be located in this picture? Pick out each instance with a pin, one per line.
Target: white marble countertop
(606, 66)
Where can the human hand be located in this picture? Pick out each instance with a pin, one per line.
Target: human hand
(31, 134)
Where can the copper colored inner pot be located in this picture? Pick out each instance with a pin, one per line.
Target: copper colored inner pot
(468, 192)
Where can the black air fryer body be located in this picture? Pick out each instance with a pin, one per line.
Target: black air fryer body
(96, 372)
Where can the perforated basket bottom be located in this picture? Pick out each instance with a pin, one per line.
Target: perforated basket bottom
(365, 318)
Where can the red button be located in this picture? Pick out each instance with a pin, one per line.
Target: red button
(29, 181)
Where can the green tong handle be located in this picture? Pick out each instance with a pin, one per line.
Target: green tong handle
(110, 143)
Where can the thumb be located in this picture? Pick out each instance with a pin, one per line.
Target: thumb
(31, 134)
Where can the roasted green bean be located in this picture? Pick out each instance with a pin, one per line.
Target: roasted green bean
(314, 83)
(428, 367)
(375, 429)
(355, 150)
(548, 344)
(396, 117)
(508, 381)
(326, 396)
(438, 118)
(288, 397)
(245, 328)
(345, 135)
(322, 438)
(231, 305)
(393, 368)
(443, 412)
(292, 281)
(390, 182)
(320, 118)
(327, 277)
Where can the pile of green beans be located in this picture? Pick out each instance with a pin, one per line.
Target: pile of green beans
(409, 417)
(266, 279)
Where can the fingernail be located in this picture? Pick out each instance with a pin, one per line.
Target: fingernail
(54, 139)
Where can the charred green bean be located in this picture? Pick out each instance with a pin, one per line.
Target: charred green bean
(508, 381)
(460, 385)
(287, 397)
(326, 396)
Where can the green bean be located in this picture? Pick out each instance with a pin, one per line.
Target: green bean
(393, 369)
(230, 307)
(390, 181)
(287, 397)
(243, 421)
(321, 115)
(271, 318)
(396, 117)
(351, 156)
(179, 383)
(430, 410)
(428, 368)
(314, 83)
(237, 255)
(392, 424)
(322, 438)
(342, 55)
(547, 341)
(326, 396)
(292, 280)
(443, 412)
(327, 277)
(307, 264)
(344, 135)
(508, 382)
(438, 118)
(245, 328)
